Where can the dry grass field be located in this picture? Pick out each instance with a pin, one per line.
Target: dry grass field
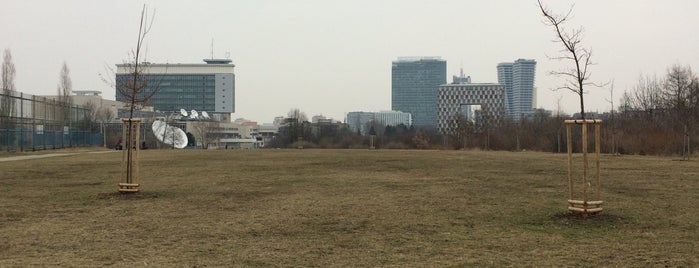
(344, 208)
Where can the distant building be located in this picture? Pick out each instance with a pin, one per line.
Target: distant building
(321, 119)
(87, 92)
(360, 121)
(239, 134)
(414, 83)
(482, 103)
(518, 80)
(206, 87)
(93, 99)
(461, 79)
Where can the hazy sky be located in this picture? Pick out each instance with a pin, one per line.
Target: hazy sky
(332, 57)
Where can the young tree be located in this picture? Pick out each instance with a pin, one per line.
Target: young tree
(134, 86)
(7, 103)
(578, 76)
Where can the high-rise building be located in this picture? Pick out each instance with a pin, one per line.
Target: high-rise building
(414, 83)
(505, 79)
(206, 87)
(518, 80)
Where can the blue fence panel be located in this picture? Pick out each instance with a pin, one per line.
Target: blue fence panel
(17, 140)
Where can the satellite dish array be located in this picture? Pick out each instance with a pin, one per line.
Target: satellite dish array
(194, 115)
(173, 135)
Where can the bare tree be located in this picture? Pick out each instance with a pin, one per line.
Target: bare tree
(65, 102)
(577, 77)
(646, 95)
(98, 113)
(7, 103)
(134, 86)
(296, 125)
(205, 132)
(463, 127)
(678, 95)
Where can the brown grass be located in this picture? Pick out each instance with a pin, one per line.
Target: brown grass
(344, 208)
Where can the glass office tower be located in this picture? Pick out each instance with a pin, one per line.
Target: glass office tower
(414, 83)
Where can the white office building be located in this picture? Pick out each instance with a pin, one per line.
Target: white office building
(360, 121)
(518, 81)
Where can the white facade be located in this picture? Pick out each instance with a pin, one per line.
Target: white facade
(518, 79)
(360, 120)
(178, 68)
(393, 118)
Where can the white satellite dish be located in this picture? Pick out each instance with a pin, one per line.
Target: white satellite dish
(169, 135)
(179, 139)
(183, 112)
(158, 129)
(193, 114)
(205, 115)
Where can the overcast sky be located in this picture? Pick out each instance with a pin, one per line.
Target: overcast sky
(333, 57)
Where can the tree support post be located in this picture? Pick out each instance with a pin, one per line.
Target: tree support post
(587, 200)
(130, 137)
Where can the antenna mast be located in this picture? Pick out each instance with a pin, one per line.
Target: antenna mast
(212, 48)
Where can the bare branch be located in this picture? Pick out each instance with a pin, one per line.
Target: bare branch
(575, 78)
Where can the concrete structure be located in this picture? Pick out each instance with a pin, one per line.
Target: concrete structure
(518, 80)
(359, 121)
(206, 87)
(414, 83)
(482, 103)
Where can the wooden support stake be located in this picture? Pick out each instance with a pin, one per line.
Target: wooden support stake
(130, 139)
(597, 150)
(570, 161)
(584, 153)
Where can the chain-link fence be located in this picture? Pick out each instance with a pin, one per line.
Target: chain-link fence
(29, 123)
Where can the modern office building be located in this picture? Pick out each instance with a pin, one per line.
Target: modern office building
(359, 121)
(414, 83)
(518, 80)
(206, 87)
(481, 103)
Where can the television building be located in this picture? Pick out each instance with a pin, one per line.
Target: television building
(208, 86)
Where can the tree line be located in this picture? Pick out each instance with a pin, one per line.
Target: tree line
(658, 116)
